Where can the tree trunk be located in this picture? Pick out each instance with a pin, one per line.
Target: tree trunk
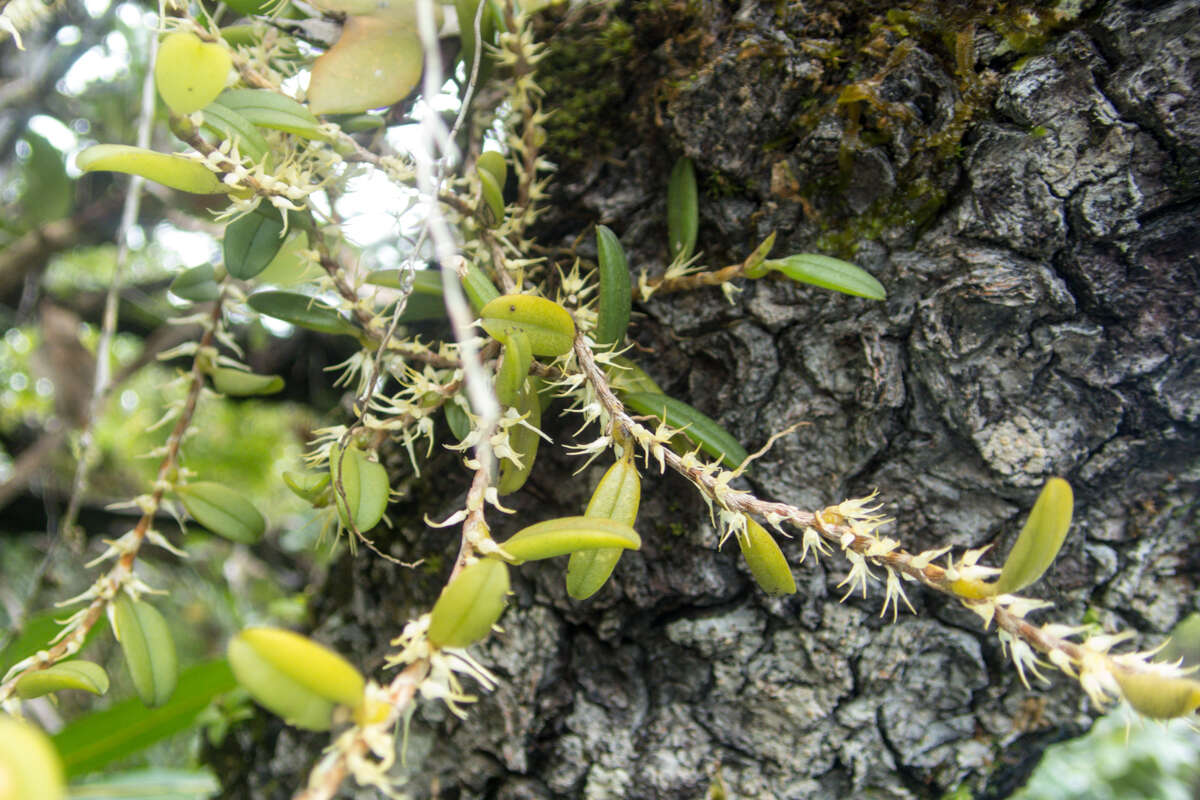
(1025, 185)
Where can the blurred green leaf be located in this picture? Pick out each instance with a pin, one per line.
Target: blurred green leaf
(149, 784)
(98, 739)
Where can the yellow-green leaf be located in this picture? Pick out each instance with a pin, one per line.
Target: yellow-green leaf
(766, 561)
(559, 537)
(80, 674)
(30, 768)
(239, 383)
(148, 647)
(229, 124)
(470, 604)
(548, 325)
(222, 511)
(376, 62)
(190, 73)
(1040, 539)
(172, 171)
(294, 677)
(1158, 696)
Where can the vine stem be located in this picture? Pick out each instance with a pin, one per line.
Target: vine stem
(898, 559)
(107, 586)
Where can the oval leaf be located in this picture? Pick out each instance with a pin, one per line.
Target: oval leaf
(176, 172)
(148, 647)
(376, 62)
(222, 511)
(829, 273)
(1040, 539)
(65, 675)
(252, 240)
(198, 284)
(190, 73)
(766, 561)
(365, 483)
(548, 325)
(494, 164)
(698, 427)
(294, 677)
(559, 537)
(469, 606)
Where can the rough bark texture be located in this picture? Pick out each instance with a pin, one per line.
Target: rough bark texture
(1027, 190)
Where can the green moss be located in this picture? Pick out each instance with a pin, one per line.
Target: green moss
(583, 79)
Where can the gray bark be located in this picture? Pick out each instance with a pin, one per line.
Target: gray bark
(1036, 224)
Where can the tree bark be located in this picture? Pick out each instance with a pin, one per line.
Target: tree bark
(1026, 187)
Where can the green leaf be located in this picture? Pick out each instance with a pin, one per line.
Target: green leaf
(270, 109)
(616, 497)
(198, 284)
(365, 483)
(470, 604)
(99, 738)
(565, 535)
(616, 296)
(425, 302)
(514, 366)
(239, 383)
(148, 647)
(149, 784)
(766, 561)
(302, 311)
(683, 210)
(697, 426)
(78, 674)
(493, 196)
(479, 288)
(252, 240)
(308, 486)
(49, 193)
(222, 511)
(829, 273)
(228, 124)
(1040, 539)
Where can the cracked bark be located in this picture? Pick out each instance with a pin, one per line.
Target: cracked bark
(1035, 221)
